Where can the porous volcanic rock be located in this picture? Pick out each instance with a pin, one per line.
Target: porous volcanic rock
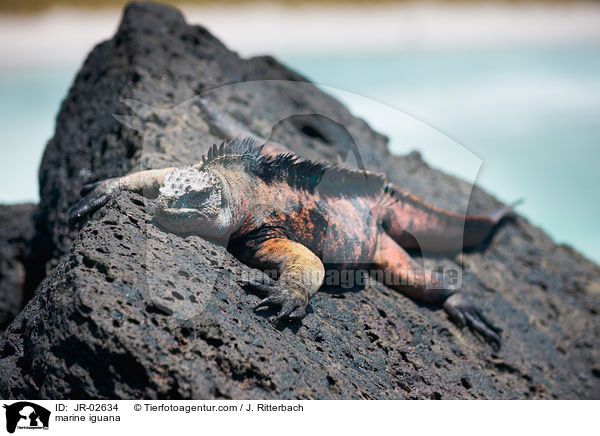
(24, 250)
(129, 311)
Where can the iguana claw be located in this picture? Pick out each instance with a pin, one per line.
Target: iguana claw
(86, 206)
(95, 195)
(89, 187)
(278, 295)
(465, 313)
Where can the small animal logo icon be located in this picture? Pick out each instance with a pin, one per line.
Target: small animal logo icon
(26, 415)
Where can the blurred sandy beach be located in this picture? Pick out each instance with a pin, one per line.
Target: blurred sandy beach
(66, 35)
(516, 84)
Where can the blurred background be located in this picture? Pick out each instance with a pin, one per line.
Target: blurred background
(517, 84)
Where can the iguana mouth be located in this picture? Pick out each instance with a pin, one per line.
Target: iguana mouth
(178, 220)
(179, 211)
(167, 210)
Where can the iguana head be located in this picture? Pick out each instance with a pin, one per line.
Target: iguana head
(192, 200)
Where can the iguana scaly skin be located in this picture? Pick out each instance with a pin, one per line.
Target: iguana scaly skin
(279, 212)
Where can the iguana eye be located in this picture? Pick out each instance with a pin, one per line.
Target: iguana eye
(197, 197)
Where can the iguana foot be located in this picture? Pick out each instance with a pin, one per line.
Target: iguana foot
(292, 302)
(96, 195)
(465, 313)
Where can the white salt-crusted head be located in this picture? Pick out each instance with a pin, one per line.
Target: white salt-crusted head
(190, 201)
(183, 180)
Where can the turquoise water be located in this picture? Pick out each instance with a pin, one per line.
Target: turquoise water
(29, 102)
(530, 117)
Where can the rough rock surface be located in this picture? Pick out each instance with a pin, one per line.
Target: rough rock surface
(129, 311)
(23, 253)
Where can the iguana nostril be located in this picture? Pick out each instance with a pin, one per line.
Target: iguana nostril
(166, 201)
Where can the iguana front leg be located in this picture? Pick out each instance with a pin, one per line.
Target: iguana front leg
(301, 274)
(97, 194)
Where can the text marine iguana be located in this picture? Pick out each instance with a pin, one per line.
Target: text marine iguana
(283, 213)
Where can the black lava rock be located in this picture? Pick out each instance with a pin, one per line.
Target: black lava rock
(129, 311)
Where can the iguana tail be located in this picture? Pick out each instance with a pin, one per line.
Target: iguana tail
(415, 224)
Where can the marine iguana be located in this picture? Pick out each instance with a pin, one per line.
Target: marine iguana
(274, 210)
